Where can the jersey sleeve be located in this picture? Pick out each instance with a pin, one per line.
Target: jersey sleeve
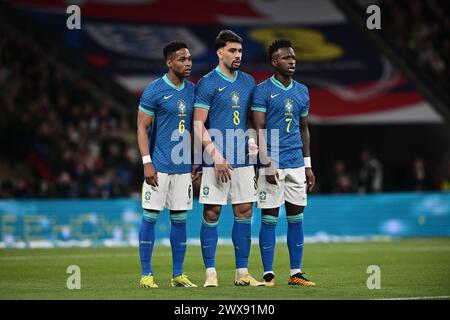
(305, 107)
(204, 94)
(148, 100)
(259, 100)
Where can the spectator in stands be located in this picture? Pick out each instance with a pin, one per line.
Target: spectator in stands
(370, 176)
(419, 179)
(342, 182)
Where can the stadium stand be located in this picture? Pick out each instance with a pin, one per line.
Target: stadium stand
(414, 34)
(61, 135)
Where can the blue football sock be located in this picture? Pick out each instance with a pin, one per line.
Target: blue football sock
(295, 240)
(178, 242)
(208, 240)
(241, 236)
(267, 241)
(147, 240)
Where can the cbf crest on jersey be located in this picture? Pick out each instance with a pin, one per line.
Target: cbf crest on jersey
(181, 106)
(235, 98)
(288, 105)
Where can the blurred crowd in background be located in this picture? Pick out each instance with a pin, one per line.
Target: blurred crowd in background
(421, 28)
(59, 141)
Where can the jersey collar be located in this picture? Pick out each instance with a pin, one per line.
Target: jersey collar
(170, 84)
(224, 76)
(280, 85)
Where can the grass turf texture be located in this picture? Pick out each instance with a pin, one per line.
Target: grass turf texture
(409, 268)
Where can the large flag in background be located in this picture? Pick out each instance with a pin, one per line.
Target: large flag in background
(350, 81)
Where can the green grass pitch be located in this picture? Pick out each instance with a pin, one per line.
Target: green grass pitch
(409, 268)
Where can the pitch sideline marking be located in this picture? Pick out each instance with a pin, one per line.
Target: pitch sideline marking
(415, 298)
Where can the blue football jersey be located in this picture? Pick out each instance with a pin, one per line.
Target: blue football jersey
(283, 107)
(227, 101)
(169, 137)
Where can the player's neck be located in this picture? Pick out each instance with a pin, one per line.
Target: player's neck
(285, 81)
(177, 81)
(226, 71)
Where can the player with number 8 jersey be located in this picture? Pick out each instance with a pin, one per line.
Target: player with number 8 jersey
(222, 102)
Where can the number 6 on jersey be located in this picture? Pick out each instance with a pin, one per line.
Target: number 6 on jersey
(181, 126)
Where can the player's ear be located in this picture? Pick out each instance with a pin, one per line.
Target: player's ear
(169, 63)
(274, 62)
(219, 53)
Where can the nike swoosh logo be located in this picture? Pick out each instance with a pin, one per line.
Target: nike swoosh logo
(221, 89)
(299, 245)
(167, 97)
(204, 247)
(274, 95)
(265, 248)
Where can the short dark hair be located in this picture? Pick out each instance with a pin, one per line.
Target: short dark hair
(277, 44)
(172, 47)
(225, 36)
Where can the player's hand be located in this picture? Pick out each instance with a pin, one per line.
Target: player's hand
(223, 171)
(271, 174)
(253, 148)
(150, 174)
(310, 179)
(196, 172)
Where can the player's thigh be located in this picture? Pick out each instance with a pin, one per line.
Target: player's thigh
(179, 194)
(293, 209)
(213, 191)
(154, 198)
(270, 195)
(295, 187)
(243, 185)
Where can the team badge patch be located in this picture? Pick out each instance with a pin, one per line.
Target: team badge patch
(235, 98)
(262, 196)
(288, 105)
(205, 191)
(181, 106)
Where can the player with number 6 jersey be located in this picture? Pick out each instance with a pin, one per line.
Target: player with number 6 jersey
(166, 107)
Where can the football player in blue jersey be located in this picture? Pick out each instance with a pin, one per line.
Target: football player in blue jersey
(166, 107)
(280, 109)
(222, 102)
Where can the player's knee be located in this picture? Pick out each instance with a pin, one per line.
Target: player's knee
(243, 210)
(150, 215)
(293, 209)
(211, 216)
